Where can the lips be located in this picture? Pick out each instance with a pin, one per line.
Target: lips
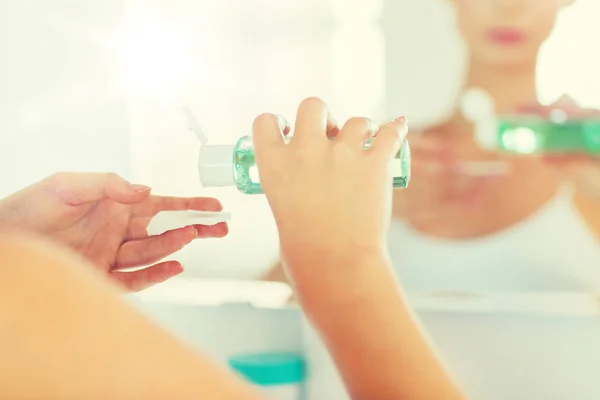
(506, 36)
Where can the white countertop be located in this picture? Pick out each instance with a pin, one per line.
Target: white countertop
(275, 295)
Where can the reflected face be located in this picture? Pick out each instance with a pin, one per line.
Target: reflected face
(506, 32)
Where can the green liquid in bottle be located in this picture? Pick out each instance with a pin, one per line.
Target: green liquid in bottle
(533, 135)
(245, 171)
(248, 181)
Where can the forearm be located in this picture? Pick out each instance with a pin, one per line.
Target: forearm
(376, 342)
(65, 334)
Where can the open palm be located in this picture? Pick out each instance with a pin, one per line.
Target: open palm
(104, 218)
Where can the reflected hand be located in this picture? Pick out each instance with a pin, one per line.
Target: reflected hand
(104, 218)
(583, 170)
(331, 199)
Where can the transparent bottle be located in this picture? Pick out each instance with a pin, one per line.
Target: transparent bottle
(235, 165)
(527, 134)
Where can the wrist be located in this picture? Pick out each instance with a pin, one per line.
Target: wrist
(299, 258)
(342, 280)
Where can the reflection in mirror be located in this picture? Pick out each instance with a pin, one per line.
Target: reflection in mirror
(453, 230)
(466, 204)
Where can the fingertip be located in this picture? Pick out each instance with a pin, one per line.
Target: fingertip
(159, 273)
(212, 204)
(402, 126)
(266, 132)
(390, 138)
(313, 120)
(313, 103)
(212, 231)
(172, 268)
(265, 120)
(222, 228)
(165, 270)
(155, 274)
(191, 232)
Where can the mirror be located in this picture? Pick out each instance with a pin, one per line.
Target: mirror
(118, 74)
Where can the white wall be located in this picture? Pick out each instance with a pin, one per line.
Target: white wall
(424, 59)
(57, 109)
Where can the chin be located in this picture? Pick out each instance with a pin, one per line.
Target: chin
(509, 59)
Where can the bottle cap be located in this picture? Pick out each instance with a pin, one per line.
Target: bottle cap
(215, 165)
(270, 369)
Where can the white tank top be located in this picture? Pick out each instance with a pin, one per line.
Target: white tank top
(552, 250)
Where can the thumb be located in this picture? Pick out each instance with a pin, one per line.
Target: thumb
(79, 188)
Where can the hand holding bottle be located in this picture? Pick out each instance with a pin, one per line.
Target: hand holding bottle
(581, 169)
(332, 203)
(331, 199)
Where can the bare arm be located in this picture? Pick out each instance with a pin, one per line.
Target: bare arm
(370, 331)
(339, 266)
(376, 342)
(65, 334)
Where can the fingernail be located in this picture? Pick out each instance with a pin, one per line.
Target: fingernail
(214, 205)
(176, 268)
(139, 188)
(283, 123)
(222, 228)
(193, 232)
(403, 121)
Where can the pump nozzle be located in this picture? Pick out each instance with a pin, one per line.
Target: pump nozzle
(478, 107)
(194, 125)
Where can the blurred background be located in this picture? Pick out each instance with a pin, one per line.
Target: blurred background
(98, 86)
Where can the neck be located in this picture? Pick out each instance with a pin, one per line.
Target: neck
(509, 87)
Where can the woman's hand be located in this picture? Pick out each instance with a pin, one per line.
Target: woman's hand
(581, 169)
(331, 198)
(104, 218)
(332, 204)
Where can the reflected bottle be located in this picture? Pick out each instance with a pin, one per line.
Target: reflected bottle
(558, 134)
(532, 133)
(235, 165)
